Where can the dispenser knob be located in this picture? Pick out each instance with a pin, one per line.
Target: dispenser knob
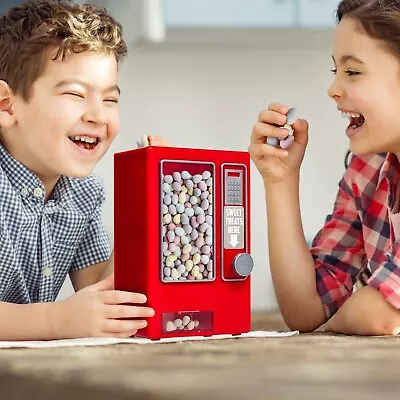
(243, 264)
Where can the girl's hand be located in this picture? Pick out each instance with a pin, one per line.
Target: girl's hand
(275, 165)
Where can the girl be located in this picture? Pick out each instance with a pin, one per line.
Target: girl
(363, 231)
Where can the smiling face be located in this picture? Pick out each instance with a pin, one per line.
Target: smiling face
(70, 120)
(367, 89)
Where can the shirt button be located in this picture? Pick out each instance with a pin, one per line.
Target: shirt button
(47, 271)
(24, 192)
(38, 192)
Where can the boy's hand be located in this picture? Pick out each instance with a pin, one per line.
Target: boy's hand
(275, 165)
(158, 141)
(94, 312)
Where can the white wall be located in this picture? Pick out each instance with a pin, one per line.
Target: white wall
(210, 95)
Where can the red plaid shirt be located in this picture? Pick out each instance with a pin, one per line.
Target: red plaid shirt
(360, 233)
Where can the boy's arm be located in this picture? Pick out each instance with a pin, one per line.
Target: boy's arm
(95, 311)
(93, 253)
(28, 321)
(91, 275)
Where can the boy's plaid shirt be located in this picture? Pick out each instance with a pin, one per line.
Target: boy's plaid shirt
(40, 243)
(360, 233)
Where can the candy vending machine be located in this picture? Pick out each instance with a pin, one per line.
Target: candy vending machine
(182, 238)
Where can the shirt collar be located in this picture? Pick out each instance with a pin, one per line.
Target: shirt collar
(390, 169)
(63, 189)
(25, 182)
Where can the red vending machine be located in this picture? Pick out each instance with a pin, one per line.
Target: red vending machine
(182, 238)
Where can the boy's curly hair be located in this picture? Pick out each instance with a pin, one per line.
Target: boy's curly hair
(28, 31)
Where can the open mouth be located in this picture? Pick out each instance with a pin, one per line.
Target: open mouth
(356, 120)
(85, 142)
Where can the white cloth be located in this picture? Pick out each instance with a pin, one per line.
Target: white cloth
(109, 341)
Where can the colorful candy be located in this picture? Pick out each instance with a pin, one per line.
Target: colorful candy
(186, 323)
(187, 227)
(291, 118)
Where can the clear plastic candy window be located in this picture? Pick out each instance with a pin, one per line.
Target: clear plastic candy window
(187, 222)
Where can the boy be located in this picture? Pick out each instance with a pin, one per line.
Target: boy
(58, 117)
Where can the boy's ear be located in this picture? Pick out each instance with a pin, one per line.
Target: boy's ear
(7, 117)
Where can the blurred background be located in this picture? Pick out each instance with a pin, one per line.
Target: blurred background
(199, 72)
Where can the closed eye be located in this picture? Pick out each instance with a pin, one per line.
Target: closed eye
(112, 101)
(349, 72)
(74, 94)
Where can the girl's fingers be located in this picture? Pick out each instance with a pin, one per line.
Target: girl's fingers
(279, 108)
(258, 151)
(261, 131)
(272, 117)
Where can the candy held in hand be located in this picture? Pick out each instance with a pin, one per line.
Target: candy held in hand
(291, 118)
(273, 141)
(286, 143)
(144, 141)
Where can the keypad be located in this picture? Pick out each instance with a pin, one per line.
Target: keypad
(233, 192)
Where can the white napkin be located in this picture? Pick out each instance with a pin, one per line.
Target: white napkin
(108, 341)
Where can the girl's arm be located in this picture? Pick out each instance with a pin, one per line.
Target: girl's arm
(366, 312)
(311, 285)
(292, 266)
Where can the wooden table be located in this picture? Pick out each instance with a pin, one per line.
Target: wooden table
(312, 366)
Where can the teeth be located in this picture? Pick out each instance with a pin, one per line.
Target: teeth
(86, 139)
(350, 115)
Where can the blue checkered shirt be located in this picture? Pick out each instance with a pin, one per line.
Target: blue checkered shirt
(40, 243)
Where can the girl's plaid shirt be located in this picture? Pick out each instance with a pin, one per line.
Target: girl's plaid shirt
(360, 233)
